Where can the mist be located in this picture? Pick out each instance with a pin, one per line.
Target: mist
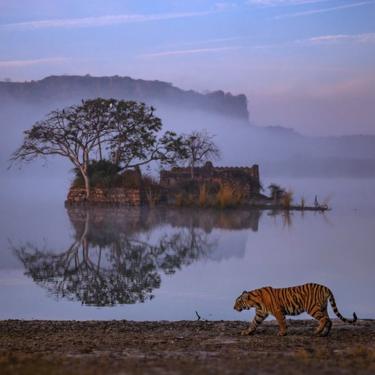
(279, 152)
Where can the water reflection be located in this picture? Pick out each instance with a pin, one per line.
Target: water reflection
(118, 256)
(285, 215)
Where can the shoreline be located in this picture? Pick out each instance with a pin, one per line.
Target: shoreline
(249, 206)
(179, 347)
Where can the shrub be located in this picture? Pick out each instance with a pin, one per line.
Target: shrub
(277, 192)
(101, 173)
(105, 174)
(228, 197)
(287, 199)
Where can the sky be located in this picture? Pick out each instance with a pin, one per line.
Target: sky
(303, 64)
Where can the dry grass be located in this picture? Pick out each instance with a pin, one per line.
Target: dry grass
(179, 200)
(185, 199)
(203, 196)
(222, 196)
(287, 199)
(227, 196)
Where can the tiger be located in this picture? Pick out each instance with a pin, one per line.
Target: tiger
(311, 298)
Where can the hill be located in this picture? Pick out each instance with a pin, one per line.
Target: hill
(58, 90)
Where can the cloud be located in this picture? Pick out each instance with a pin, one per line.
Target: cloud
(324, 10)
(365, 38)
(99, 21)
(225, 5)
(316, 40)
(188, 51)
(338, 38)
(284, 2)
(200, 42)
(23, 63)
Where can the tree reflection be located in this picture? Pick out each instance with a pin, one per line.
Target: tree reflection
(118, 256)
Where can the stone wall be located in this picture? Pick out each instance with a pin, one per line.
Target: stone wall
(105, 196)
(242, 179)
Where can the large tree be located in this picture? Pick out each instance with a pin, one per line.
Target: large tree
(126, 132)
(199, 147)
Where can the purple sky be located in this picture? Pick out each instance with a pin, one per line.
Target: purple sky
(304, 64)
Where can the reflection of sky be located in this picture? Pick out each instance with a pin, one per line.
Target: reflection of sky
(336, 250)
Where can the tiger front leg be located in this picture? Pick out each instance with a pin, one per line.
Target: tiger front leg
(282, 324)
(258, 319)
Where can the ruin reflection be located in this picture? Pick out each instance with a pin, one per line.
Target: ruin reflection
(118, 255)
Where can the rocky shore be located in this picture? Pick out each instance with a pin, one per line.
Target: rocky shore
(184, 347)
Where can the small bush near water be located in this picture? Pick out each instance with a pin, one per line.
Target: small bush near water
(105, 174)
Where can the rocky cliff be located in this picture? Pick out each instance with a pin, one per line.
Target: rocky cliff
(71, 89)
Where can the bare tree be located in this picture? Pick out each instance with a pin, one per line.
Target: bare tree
(199, 148)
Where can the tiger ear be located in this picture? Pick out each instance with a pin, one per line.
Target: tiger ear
(244, 292)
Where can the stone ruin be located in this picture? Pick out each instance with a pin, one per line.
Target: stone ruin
(243, 179)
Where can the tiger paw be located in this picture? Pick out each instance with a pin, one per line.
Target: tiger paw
(246, 332)
(281, 333)
(321, 334)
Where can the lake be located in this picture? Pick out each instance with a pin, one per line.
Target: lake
(168, 263)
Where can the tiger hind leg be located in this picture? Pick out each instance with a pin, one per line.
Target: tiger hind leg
(327, 328)
(325, 323)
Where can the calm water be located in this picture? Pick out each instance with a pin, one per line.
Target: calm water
(142, 264)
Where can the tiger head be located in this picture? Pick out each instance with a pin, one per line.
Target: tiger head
(242, 301)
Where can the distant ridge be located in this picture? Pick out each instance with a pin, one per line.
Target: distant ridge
(69, 89)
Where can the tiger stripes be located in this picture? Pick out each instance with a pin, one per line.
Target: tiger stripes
(311, 298)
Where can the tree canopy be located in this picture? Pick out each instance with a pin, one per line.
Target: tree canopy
(125, 132)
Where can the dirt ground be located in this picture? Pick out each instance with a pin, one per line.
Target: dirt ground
(185, 347)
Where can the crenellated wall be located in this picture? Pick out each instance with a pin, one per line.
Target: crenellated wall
(245, 179)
